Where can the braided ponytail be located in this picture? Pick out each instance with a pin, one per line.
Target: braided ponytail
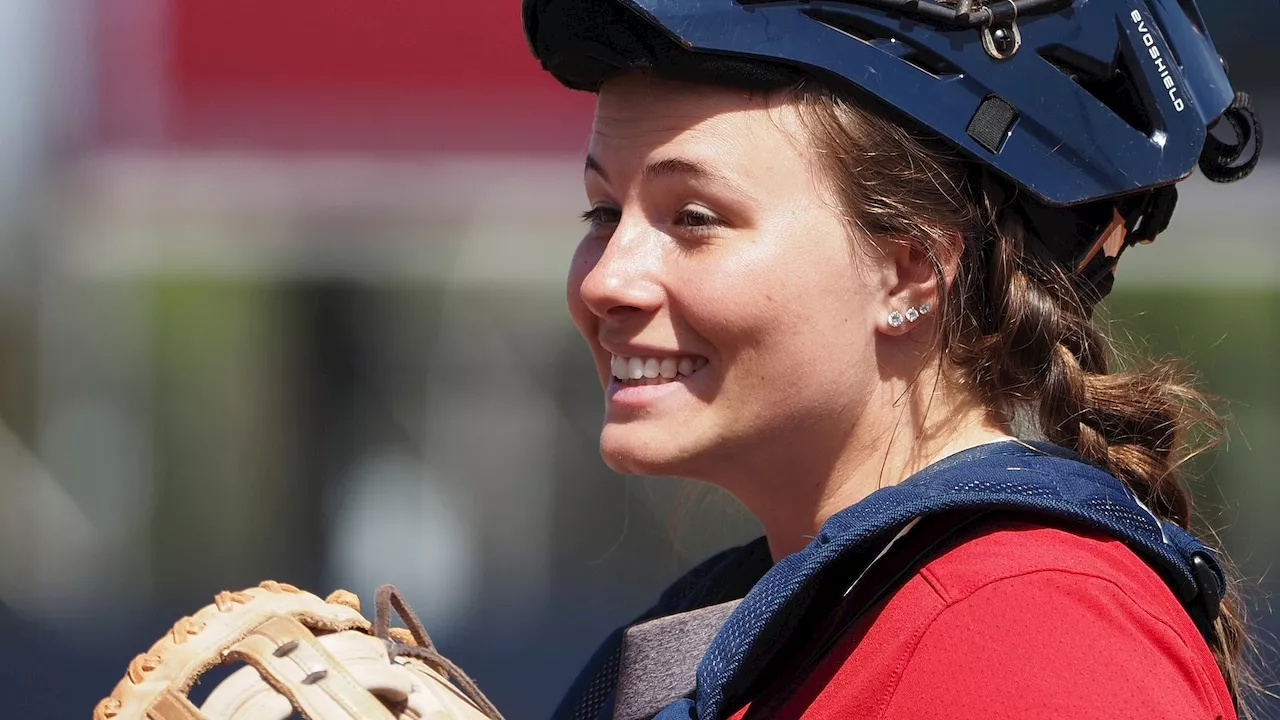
(1016, 326)
(1038, 349)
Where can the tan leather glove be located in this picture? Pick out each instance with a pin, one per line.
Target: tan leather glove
(320, 658)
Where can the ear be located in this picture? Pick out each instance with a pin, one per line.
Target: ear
(913, 275)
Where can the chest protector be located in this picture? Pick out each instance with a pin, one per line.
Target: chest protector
(1030, 479)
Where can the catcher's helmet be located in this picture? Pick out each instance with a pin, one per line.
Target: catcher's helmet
(1072, 100)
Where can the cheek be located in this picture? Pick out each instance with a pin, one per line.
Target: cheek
(795, 323)
(787, 296)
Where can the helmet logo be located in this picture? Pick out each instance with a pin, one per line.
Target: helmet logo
(1149, 40)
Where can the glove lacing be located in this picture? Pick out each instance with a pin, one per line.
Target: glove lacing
(387, 599)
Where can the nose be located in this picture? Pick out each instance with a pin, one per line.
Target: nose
(624, 278)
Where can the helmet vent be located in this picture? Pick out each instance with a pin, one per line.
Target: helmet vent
(1193, 14)
(931, 64)
(851, 25)
(884, 40)
(1112, 85)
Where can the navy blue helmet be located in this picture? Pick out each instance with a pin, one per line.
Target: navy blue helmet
(1073, 101)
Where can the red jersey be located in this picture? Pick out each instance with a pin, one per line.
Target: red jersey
(1021, 621)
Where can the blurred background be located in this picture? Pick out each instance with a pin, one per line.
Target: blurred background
(281, 297)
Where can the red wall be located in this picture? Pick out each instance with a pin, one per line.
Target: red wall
(337, 74)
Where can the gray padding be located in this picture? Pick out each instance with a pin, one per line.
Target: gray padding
(660, 659)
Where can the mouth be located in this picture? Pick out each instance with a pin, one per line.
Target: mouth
(654, 370)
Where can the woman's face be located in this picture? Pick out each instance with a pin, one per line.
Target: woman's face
(732, 324)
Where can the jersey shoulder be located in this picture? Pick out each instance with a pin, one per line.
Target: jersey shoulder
(1015, 549)
(1048, 621)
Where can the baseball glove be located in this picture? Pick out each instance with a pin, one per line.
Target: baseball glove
(320, 658)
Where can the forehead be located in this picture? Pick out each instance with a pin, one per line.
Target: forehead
(640, 117)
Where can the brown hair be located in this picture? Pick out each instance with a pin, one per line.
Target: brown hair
(1015, 325)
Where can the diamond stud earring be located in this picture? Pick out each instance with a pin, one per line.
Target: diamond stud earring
(896, 319)
(912, 314)
(924, 308)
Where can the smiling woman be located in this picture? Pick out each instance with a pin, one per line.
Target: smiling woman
(716, 242)
(842, 262)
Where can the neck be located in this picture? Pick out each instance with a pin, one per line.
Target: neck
(794, 493)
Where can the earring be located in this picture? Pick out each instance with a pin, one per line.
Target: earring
(896, 319)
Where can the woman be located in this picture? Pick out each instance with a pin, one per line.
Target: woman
(841, 260)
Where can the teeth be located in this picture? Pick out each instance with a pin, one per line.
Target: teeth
(667, 368)
(651, 368)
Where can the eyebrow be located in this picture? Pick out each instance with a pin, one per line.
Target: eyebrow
(670, 167)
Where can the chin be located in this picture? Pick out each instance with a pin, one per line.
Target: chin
(632, 450)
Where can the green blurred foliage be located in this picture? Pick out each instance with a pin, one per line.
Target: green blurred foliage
(221, 437)
(1231, 338)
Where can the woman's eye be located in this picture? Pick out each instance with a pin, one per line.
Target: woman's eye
(601, 215)
(693, 218)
